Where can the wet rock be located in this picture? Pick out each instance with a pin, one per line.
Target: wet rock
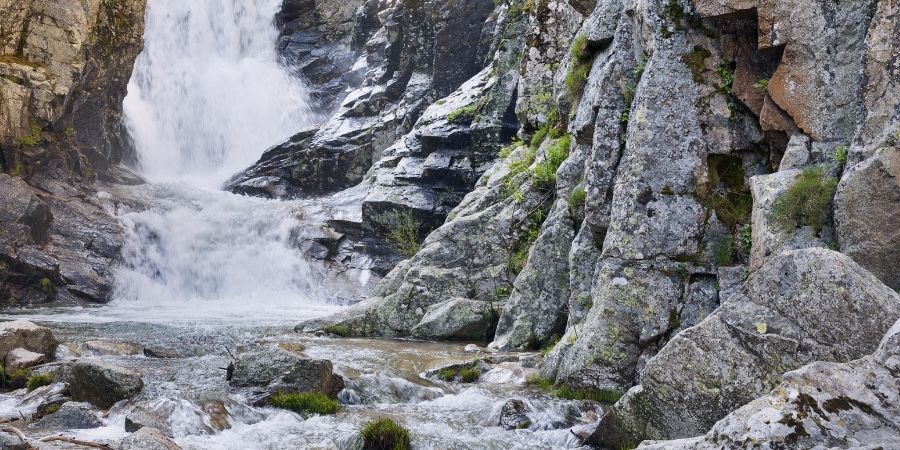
(148, 439)
(513, 415)
(153, 414)
(25, 335)
(741, 350)
(102, 384)
(19, 358)
(278, 370)
(458, 318)
(71, 416)
(10, 441)
(867, 214)
(108, 348)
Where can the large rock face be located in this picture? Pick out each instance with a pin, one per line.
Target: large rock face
(802, 306)
(867, 214)
(843, 405)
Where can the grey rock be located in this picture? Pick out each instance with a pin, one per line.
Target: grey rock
(71, 416)
(457, 318)
(741, 350)
(10, 441)
(18, 358)
(102, 384)
(23, 334)
(867, 214)
(513, 415)
(109, 348)
(284, 371)
(148, 439)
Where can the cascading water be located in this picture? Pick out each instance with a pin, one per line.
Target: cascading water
(208, 95)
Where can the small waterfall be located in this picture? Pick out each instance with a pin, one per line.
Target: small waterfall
(208, 93)
(207, 97)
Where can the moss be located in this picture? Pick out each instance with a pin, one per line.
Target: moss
(47, 286)
(539, 382)
(762, 84)
(550, 344)
(608, 396)
(762, 328)
(544, 175)
(641, 65)
(52, 408)
(305, 403)
(696, 61)
(337, 330)
(580, 68)
(840, 155)
(36, 381)
(405, 235)
(527, 237)
(31, 139)
(577, 198)
(465, 114)
(806, 202)
(385, 434)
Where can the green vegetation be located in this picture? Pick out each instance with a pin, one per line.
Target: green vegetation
(52, 408)
(580, 68)
(723, 251)
(527, 237)
(502, 292)
(642, 64)
(762, 84)
(539, 382)
(464, 114)
(467, 374)
(337, 330)
(405, 235)
(745, 237)
(70, 132)
(726, 192)
(385, 434)
(305, 403)
(840, 155)
(676, 15)
(577, 198)
(32, 138)
(36, 381)
(726, 77)
(806, 202)
(550, 344)
(598, 395)
(544, 175)
(47, 286)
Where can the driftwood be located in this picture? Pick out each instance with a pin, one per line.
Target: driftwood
(75, 441)
(14, 431)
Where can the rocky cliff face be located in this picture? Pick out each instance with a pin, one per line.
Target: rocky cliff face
(682, 179)
(64, 67)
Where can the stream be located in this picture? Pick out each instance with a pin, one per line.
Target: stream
(205, 273)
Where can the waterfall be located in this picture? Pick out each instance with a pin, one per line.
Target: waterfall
(207, 97)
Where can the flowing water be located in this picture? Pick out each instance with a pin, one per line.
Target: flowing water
(205, 272)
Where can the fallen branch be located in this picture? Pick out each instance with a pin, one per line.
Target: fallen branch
(75, 441)
(14, 431)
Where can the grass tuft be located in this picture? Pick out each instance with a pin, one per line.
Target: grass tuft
(806, 202)
(385, 434)
(36, 381)
(305, 403)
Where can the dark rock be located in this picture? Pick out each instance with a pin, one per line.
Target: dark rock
(513, 415)
(102, 384)
(279, 370)
(71, 416)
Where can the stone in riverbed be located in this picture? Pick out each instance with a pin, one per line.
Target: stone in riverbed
(512, 415)
(102, 384)
(148, 439)
(26, 335)
(279, 370)
(71, 416)
(19, 358)
(9, 441)
(109, 348)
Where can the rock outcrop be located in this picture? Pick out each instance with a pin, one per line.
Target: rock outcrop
(102, 384)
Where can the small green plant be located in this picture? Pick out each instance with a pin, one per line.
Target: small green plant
(723, 251)
(47, 286)
(466, 374)
(69, 132)
(545, 173)
(36, 381)
(337, 330)
(539, 382)
(52, 408)
(502, 292)
(726, 76)
(405, 235)
(641, 66)
(305, 403)
(806, 202)
(550, 344)
(762, 84)
(580, 69)
(385, 434)
(840, 155)
(465, 114)
(448, 375)
(609, 396)
(17, 169)
(32, 138)
(470, 374)
(745, 235)
(577, 198)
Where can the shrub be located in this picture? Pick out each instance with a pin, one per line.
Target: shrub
(806, 202)
(405, 236)
(468, 374)
(385, 434)
(577, 198)
(36, 381)
(305, 403)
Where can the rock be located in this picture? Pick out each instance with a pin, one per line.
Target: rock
(278, 370)
(25, 335)
(152, 415)
(819, 405)
(741, 350)
(148, 439)
(458, 318)
(867, 214)
(102, 384)
(108, 348)
(9, 441)
(71, 416)
(19, 358)
(513, 415)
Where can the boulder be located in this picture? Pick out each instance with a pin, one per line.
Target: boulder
(148, 439)
(71, 416)
(108, 348)
(458, 318)
(867, 214)
(19, 358)
(102, 384)
(278, 370)
(828, 405)
(25, 335)
(802, 306)
(9, 441)
(513, 415)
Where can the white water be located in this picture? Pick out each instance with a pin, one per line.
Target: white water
(207, 97)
